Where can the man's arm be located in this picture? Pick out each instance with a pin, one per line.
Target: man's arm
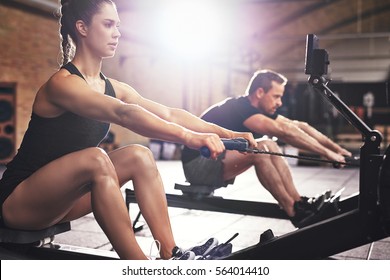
(321, 138)
(290, 133)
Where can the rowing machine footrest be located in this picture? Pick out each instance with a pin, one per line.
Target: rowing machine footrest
(197, 190)
(16, 236)
(266, 236)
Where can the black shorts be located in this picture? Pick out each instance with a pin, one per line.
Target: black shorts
(205, 171)
(9, 182)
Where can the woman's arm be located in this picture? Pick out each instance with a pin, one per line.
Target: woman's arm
(178, 116)
(71, 93)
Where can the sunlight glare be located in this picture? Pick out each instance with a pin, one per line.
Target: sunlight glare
(193, 28)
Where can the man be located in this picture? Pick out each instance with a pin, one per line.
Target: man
(255, 112)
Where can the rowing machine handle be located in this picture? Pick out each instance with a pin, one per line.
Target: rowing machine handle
(237, 144)
(352, 161)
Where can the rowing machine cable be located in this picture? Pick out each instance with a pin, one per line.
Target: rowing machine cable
(336, 164)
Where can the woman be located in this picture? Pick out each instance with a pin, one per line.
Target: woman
(60, 175)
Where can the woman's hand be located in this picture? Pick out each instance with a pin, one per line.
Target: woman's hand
(248, 136)
(212, 141)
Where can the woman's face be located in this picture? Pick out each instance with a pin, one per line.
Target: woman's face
(103, 34)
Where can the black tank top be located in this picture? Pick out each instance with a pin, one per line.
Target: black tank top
(47, 139)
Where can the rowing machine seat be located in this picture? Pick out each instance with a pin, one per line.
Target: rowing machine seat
(197, 190)
(16, 236)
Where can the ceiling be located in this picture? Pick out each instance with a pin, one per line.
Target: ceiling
(272, 33)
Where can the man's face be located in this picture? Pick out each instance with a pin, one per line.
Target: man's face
(270, 101)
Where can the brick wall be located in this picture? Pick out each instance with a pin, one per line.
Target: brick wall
(29, 48)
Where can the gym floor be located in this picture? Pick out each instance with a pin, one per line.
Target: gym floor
(194, 226)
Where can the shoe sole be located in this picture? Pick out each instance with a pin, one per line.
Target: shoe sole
(189, 255)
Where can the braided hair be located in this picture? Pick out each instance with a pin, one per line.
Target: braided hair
(70, 12)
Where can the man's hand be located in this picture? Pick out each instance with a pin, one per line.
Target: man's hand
(248, 136)
(344, 152)
(335, 157)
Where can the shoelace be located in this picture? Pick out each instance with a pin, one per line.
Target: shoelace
(158, 246)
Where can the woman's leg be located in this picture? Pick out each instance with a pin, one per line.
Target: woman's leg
(136, 163)
(58, 190)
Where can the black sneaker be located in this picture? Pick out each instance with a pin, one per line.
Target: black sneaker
(205, 248)
(317, 202)
(303, 214)
(191, 253)
(220, 251)
(179, 254)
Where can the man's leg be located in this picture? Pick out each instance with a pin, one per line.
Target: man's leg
(272, 172)
(282, 167)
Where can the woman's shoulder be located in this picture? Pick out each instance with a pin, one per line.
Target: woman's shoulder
(118, 84)
(61, 78)
(122, 89)
(59, 75)
(43, 104)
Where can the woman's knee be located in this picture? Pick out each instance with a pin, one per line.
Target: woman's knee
(132, 161)
(97, 161)
(137, 155)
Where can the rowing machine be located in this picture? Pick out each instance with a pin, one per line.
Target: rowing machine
(365, 217)
(201, 197)
(366, 223)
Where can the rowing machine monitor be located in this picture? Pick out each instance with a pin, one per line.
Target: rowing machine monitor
(316, 60)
